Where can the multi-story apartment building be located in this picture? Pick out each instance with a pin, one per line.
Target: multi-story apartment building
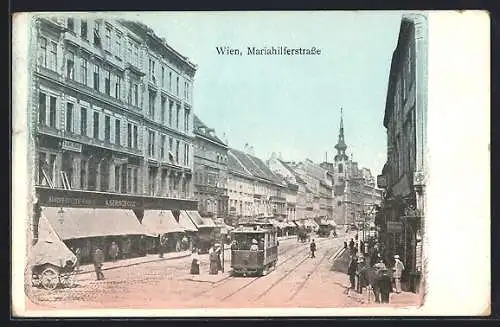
(210, 171)
(111, 116)
(403, 175)
(254, 190)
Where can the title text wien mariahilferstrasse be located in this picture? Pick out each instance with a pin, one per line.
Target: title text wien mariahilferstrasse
(283, 51)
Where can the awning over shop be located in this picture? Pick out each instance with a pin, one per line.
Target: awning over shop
(199, 221)
(161, 222)
(72, 223)
(186, 222)
(291, 224)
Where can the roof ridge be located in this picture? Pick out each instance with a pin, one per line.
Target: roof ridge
(239, 162)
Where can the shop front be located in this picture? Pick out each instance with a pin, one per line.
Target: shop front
(86, 219)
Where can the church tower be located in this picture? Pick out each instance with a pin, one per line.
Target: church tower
(341, 157)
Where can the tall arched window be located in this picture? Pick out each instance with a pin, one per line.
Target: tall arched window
(341, 168)
(92, 173)
(104, 174)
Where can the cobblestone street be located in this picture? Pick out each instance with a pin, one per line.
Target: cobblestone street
(297, 281)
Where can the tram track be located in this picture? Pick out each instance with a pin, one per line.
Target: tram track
(254, 280)
(229, 278)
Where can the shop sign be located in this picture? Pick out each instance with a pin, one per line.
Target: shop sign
(71, 146)
(394, 227)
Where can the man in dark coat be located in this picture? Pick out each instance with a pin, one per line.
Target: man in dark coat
(351, 271)
(98, 260)
(163, 244)
(384, 284)
(313, 248)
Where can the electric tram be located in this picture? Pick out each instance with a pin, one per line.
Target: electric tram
(254, 249)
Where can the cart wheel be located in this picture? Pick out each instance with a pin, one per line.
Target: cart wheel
(49, 278)
(67, 280)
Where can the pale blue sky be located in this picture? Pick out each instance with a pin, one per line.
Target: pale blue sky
(290, 104)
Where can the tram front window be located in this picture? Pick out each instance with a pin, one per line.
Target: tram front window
(244, 241)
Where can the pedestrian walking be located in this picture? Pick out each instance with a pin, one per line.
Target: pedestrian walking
(98, 259)
(218, 252)
(163, 244)
(113, 251)
(351, 272)
(185, 243)
(313, 248)
(351, 244)
(195, 264)
(345, 245)
(398, 272)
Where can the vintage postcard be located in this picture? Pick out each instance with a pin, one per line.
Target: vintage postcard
(248, 163)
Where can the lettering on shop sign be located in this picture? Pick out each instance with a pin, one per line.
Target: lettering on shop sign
(71, 146)
(120, 203)
(70, 201)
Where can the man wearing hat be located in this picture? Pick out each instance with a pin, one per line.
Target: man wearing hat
(398, 271)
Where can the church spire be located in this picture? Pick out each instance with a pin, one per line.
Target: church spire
(341, 146)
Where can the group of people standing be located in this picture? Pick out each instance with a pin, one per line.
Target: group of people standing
(214, 255)
(376, 275)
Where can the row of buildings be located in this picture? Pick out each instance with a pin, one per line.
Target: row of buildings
(113, 127)
(403, 178)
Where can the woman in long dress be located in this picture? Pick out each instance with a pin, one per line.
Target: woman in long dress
(195, 264)
(214, 269)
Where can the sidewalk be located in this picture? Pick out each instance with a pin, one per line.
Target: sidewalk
(108, 265)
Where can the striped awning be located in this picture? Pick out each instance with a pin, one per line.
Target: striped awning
(199, 221)
(186, 222)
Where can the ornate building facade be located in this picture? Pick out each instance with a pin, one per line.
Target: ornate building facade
(403, 175)
(111, 116)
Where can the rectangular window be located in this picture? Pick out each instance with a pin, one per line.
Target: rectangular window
(177, 115)
(129, 180)
(96, 125)
(107, 128)
(96, 77)
(186, 120)
(163, 109)
(83, 29)
(152, 100)
(84, 78)
(69, 117)
(162, 149)
(170, 144)
(187, 154)
(136, 55)
(136, 180)
(117, 178)
(117, 132)
(129, 135)
(170, 81)
(107, 82)
(52, 112)
(70, 65)
(152, 151)
(83, 121)
(118, 42)
(118, 82)
(97, 36)
(108, 39)
(177, 86)
(129, 52)
(162, 76)
(52, 62)
(42, 108)
(177, 149)
(136, 134)
(170, 112)
(71, 24)
(136, 95)
(83, 174)
(42, 59)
